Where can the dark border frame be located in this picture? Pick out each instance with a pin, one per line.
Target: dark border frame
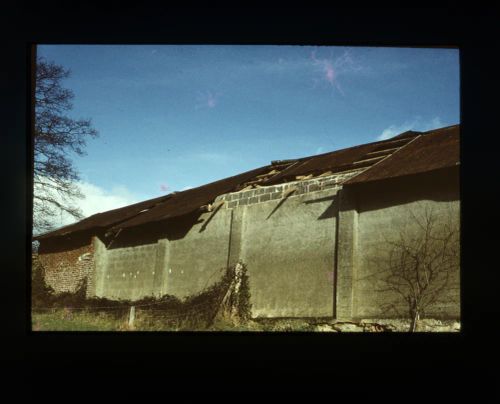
(472, 31)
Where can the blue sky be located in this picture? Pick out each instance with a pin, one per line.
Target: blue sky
(173, 117)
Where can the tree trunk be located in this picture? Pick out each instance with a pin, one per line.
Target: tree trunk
(414, 320)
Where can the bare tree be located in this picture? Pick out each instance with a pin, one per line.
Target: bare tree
(56, 137)
(420, 263)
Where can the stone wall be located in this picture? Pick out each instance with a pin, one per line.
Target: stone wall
(308, 254)
(383, 213)
(375, 229)
(198, 259)
(389, 325)
(276, 192)
(289, 249)
(185, 262)
(126, 273)
(178, 266)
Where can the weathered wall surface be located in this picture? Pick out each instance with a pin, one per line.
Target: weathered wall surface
(126, 273)
(288, 247)
(384, 216)
(194, 254)
(65, 270)
(374, 227)
(309, 254)
(196, 260)
(276, 192)
(180, 266)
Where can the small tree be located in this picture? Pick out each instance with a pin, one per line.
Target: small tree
(420, 262)
(56, 136)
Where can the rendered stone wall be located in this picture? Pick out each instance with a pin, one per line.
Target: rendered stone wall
(188, 261)
(382, 218)
(308, 255)
(179, 266)
(127, 273)
(373, 252)
(199, 258)
(289, 249)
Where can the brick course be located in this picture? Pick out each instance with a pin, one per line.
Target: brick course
(273, 192)
(65, 270)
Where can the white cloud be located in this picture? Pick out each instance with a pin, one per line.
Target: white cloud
(416, 124)
(98, 200)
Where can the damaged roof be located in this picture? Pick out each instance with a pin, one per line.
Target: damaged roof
(408, 153)
(428, 151)
(192, 199)
(106, 219)
(164, 207)
(339, 161)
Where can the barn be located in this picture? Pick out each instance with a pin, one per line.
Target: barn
(317, 234)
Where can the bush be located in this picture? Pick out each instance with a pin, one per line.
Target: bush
(194, 312)
(42, 295)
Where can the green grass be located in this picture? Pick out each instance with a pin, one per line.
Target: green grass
(117, 320)
(64, 320)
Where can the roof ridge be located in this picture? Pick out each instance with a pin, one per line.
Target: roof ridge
(432, 131)
(386, 157)
(172, 201)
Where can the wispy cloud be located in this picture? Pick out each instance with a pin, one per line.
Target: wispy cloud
(329, 69)
(417, 124)
(207, 100)
(164, 187)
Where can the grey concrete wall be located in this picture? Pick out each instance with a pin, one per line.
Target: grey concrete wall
(346, 250)
(99, 268)
(127, 273)
(196, 260)
(308, 255)
(374, 228)
(294, 279)
(289, 252)
(178, 267)
(383, 217)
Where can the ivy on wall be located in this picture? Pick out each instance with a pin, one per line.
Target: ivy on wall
(227, 299)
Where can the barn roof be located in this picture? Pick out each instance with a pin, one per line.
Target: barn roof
(174, 204)
(105, 219)
(428, 151)
(192, 199)
(408, 153)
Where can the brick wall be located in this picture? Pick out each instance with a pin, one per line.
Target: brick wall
(65, 270)
(264, 194)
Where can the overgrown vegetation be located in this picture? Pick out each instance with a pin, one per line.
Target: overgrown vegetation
(218, 304)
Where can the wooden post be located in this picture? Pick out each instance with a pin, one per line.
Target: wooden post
(131, 316)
